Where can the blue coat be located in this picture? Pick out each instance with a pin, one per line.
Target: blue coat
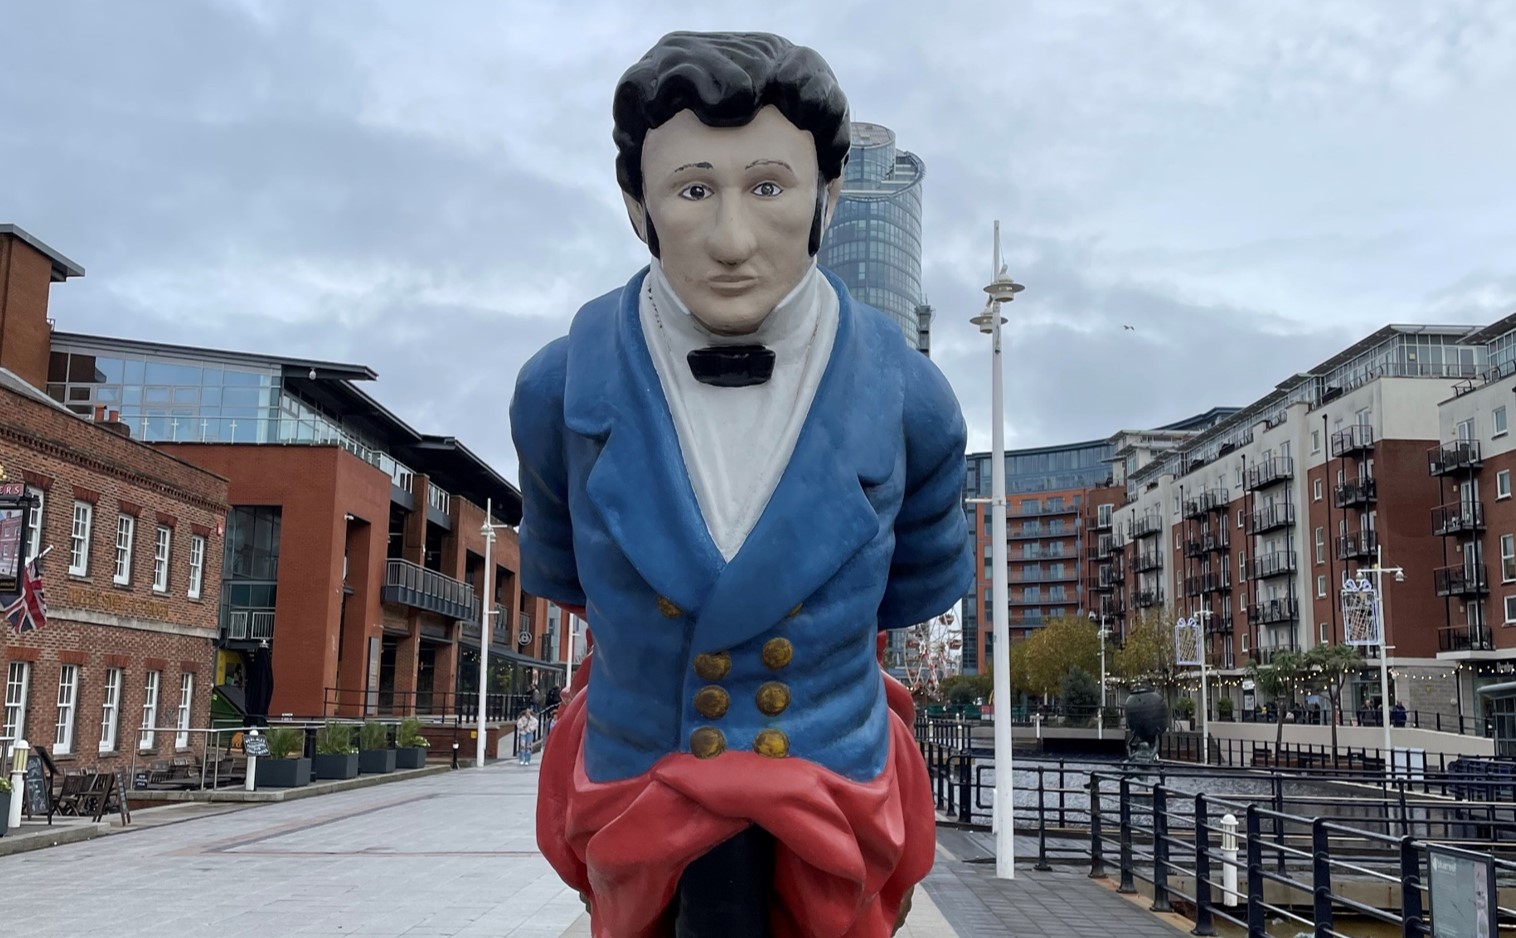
(773, 651)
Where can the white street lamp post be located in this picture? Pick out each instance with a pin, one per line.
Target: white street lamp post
(1002, 289)
(486, 611)
(1379, 570)
(1205, 708)
(1102, 633)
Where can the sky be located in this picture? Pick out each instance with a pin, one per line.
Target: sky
(428, 188)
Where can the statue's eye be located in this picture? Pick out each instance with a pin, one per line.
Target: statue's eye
(695, 192)
(767, 189)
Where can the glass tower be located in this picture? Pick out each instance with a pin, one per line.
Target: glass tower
(874, 242)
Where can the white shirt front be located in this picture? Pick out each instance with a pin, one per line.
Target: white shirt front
(736, 442)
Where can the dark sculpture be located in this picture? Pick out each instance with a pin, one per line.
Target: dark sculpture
(1147, 714)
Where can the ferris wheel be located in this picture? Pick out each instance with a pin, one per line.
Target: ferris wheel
(932, 652)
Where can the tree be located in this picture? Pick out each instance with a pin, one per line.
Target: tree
(1065, 643)
(1332, 666)
(1278, 679)
(1147, 651)
(1079, 693)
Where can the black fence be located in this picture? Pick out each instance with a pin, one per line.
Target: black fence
(433, 706)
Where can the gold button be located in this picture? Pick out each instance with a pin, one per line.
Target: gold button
(669, 609)
(772, 743)
(777, 653)
(713, 667)
(707, 742)
(794, 612)
(773, 698)
(711, 702)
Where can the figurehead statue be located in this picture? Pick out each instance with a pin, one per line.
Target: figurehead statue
(700, 482)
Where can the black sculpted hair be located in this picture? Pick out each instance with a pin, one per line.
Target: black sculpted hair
(726, 79)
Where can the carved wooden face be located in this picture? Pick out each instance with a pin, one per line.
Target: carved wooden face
(733, 208)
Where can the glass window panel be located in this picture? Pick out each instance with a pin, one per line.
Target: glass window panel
(156, 395)
(190, 395)
(163, 372)
(133, 370)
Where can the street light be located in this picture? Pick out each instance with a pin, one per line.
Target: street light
(1379, 570)
(488, 530)
(1201, 615)
(1001, 289)
(1100, 630)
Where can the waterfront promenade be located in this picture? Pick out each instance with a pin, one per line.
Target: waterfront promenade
(447, 855)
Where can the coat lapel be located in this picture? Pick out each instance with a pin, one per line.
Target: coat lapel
(819, 515)
(638, 483)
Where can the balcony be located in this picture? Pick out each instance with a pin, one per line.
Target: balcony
(1358, 546)
(1142, 563)
(1101, 550)
(1274, 611)
(1455, 518)
(1217, 543)
(1146, 526)
(1274, 516)
(1029, 531)
(1464, 579)
(1465, 638)
(1216, 582)
(1041, 599)
(1208, 501)
(1275, 564)
(1350, 440)
(1101, 525)
(1112, 606)
(409, 584)
(1145, 599)
(250, 624)
(1118, 569)
(1361, 492)
(1045, 576)
(1192, 586)
(1026, 511)
(1452, 457)
(1269, 472)
(1265, 654)
(1216, 625)
(1221, 660)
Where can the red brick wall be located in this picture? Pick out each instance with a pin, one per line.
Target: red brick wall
(1500, 518)
(25, 339)
(93, 622)
(1407, 494)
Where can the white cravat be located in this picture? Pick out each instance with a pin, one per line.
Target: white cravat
(736, 442)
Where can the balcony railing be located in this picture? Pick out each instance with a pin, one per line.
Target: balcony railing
(1147, 598)
(1451, 457)
(1101, 525)
(1465, 638)
(437, 498)
(1218, 624)
(1146, 526)
(1454, 518)
(1026, 531)
(1357, 546)
(1274, 516)
(1216, 499)
(1100, 551)
(1464, 579)
(1353, 439)
(1040, 599)
(1274, 611)
(254, 624)
(1359, 492)
(1279, 562)
(1269, 472)
(1142, 563)
(1266, 655)
(1045, 576)
(1206, 544)
(1027, 511)
(1118, 569)
(1112, 606)
(1216, 582)
(413, 585)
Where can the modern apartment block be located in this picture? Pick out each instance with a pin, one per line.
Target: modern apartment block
(1253, 524)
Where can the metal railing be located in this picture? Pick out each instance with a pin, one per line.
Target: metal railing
(1465, 579)
(1357, 546)
(1352, 439)
(444, 706)
(1462, 454)
(1359, 492)
(1273, 516)
(1269, 471)
(1464, 517)
(250, 623)
(411, 584)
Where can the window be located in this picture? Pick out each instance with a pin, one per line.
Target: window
(1507, 558)
(1503, 484)
(186, 697)
(1510, 610)
(1316, 490)
(1239, 518)
(68, 697)
(1244, 643)
(1497, 419)
(78, 541)
(110, 712)
(149, 711)
(1103, 514)
(17, 679)
(160, 559)
(1320, 546)
(1321, 588)
(197, 566)
(1315, 441)
(126, 532)
(34, 524)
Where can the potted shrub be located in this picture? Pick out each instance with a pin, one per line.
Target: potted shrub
(1184, 713)
(410, 745)
(285, 766)
(5, 805)
(375, 757)
(336, 756)
(1224, 709)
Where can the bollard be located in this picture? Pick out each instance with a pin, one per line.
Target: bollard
(1411, 912)
(1256, 918)
(1229, 860)
(455, 754)
(20, 750)
(251, 782)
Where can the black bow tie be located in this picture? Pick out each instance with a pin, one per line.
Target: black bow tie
(732, 366)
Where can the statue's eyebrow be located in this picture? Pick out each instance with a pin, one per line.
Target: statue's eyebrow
(769, 163)
(691, 166)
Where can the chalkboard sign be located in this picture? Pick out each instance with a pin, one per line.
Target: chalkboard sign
(39, 790)
(1463, 893)
(255, 745)
(120, 795)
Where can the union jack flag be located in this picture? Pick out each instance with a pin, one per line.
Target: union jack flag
(29, 611)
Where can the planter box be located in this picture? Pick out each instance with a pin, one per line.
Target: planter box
(5, 812)
(411, 757)
(376, 761)
(334, 767)
(283, 773)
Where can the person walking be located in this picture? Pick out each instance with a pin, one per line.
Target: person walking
(526, 732)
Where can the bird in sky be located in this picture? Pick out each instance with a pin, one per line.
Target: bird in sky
(1130, 328)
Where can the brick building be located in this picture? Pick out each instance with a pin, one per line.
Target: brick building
(129, 537)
